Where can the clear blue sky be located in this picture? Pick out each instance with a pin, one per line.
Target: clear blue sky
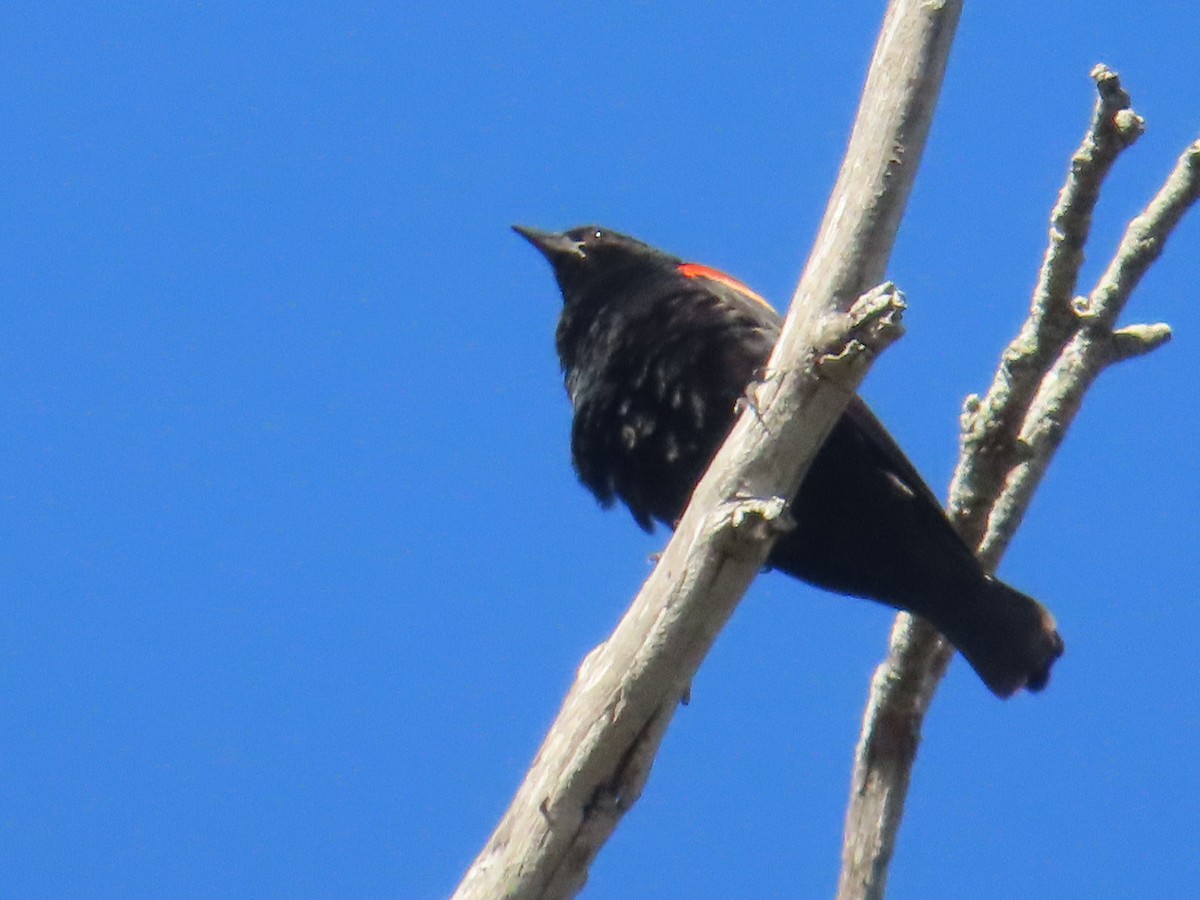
(295, 571)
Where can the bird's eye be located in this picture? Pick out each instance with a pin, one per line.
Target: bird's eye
(598, 235)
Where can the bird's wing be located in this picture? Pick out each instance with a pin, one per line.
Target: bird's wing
(890, 457)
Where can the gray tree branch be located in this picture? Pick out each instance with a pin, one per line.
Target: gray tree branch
(1009, 438)
(597, 755)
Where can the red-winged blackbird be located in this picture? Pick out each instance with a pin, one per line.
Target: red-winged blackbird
(657, 353)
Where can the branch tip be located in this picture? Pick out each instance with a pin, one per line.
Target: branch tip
(1108, 85)
(1138, 340)
(1128, 125)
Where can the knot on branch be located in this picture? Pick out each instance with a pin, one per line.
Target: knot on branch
(982, 432)
(1084, 309)
(755, 520)
(972, 423)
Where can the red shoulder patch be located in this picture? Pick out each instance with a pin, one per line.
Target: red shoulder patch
(696, 270)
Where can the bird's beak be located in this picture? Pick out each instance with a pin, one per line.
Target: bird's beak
(555, 247)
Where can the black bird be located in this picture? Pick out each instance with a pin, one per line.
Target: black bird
(656, 353)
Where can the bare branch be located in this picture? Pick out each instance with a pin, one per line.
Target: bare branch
(594, 760)
(901, 691)
(1009, 439)
(990, 425)
(1093, 347)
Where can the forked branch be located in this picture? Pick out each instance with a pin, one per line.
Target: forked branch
(1009, 438)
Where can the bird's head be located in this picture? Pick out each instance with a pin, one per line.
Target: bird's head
(585, 256)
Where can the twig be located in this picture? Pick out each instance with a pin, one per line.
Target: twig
(1008, 441)
(597, 754)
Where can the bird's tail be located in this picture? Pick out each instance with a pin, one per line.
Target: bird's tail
(1011, 641)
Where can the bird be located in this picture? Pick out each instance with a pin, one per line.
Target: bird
(657, 355)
